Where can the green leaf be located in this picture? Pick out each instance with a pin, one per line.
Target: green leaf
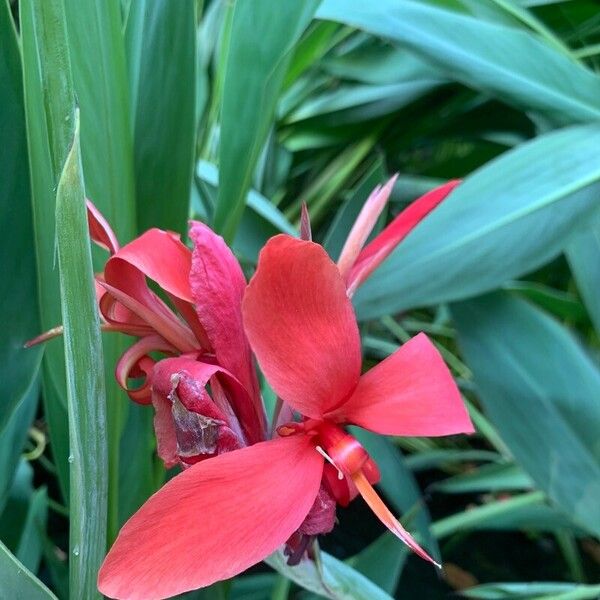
(97, 50)
(86, 398)
(160, 40)
(561, 304)
(532, 591)
(489, 478)
(583, 254)
(539, 389)
(49, 109)
(18, 304)
(336, 581)
(501, 61)
(13, 437)
(17, 582)
(30, 548)
(507, 218)
(255, 65)
(523, 511)
(382, 561)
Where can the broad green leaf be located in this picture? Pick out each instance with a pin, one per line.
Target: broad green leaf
(254, 68)
(19, 367)
(49, 105)
(336, 581)
(502, 61)
(540, 390)
(160, 40)
(97, 50)
(507, 218)
(489, 478)
(533, 591)
(379, 64)
(17, 582)
(86, 398)
(18, 305)
(382, 561)
(357, 102)
(583, 254)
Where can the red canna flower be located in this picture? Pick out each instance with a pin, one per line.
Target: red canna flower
(197, 322)
(221, 516)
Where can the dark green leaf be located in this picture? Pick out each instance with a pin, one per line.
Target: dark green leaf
(49, 110)
(489, 478)
(161, 50)
(254, 70)
(18, 305)
(502, 61)
(540, 390)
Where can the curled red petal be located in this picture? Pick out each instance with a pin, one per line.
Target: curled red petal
(301, 326)
(410, 393)
(214, 520)
(129, 365)
(101, 232)
(381, 247)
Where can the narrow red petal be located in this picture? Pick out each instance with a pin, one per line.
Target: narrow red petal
(382, 246)
(363, 226)
(410, 393)
(384, 514)
(214, 520)
(153, 311)
(218, 283)
(301, 325)
(101, 232)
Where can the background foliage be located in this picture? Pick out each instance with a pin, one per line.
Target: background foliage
(318, 101)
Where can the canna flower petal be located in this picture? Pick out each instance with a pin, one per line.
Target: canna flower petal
(101, 232)
(159, 255)
(301, 326)
(382, 246)
(410, 393)
(162, 257)
(214, 520)
(238, 406)
(217, 284)
(364, 225)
